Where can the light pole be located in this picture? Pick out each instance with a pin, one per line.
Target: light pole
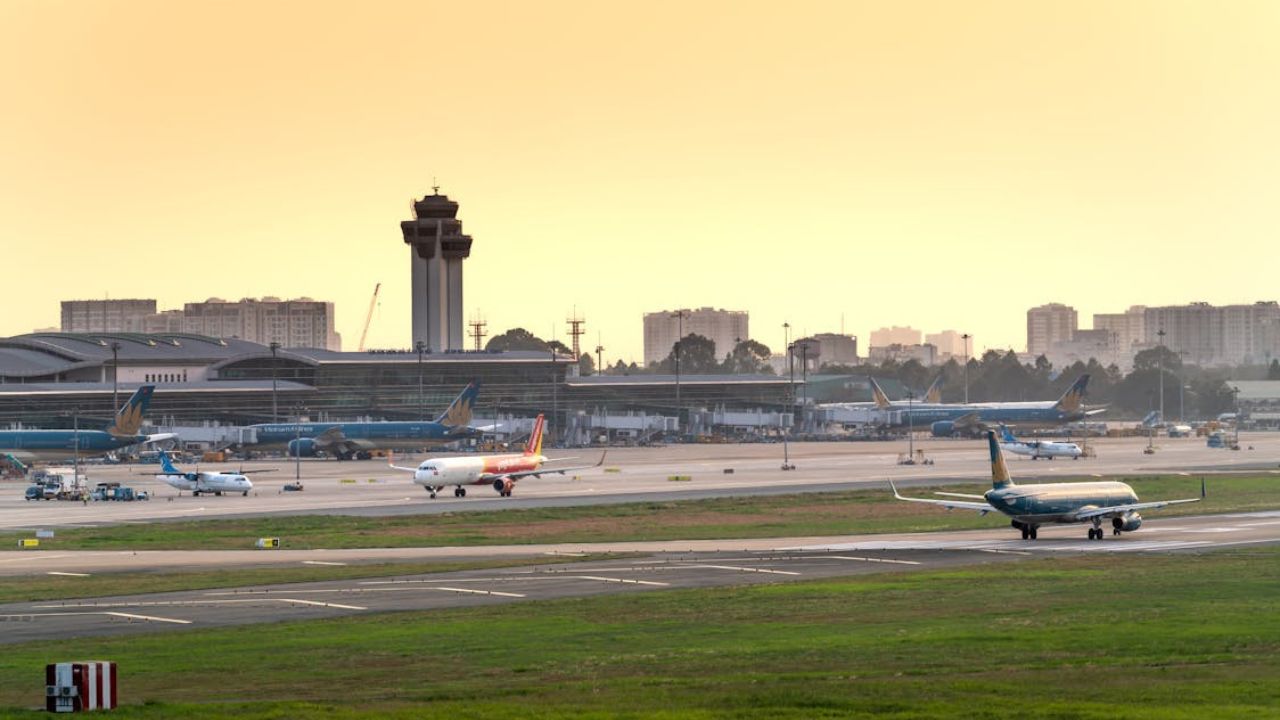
(679, 316)
(420, 346)
(1160, 365)
(297, 438)
(275, 346)
(1235, 404)
(115, 375)
(966, 337)
(804, 383)
(911, 430)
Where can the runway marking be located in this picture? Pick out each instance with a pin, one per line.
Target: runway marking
(150, 618)
(320, 604)
(67, 574)
(321, 562)
(475, 592)
(868, 559)
(627, 581)
(743, 569)
(198, 603)
(33, 556)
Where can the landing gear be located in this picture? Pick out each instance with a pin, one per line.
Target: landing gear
(363, 455)
(1096, 533)
(1115, 531)
(431, 490)
(459, 492)
(245, 493)
(1028, 531)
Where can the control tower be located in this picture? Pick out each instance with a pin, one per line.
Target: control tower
(437, 248)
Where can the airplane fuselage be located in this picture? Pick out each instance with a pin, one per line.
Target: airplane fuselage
(1057, 502)
(30, 445)
(439, 472)
(207, 482)
(388, 435)
(1038, 449)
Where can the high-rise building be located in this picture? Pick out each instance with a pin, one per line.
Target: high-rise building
(950, 344)
(1049, 324)
(301, 323)
(1205, 334)
(837, 349)
(107, 316)
(895, 335)
(1129, 327)
(726, 328)
(437, 248)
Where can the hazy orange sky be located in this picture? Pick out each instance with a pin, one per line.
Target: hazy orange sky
(934, 164)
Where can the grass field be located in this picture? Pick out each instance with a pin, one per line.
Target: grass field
(863, 511)
(45, 587)
(1167, 637)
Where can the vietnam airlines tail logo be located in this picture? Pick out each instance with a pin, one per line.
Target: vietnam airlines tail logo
(934, 393)
(458, 413)
(1072, 400)
(999, 471)
(882, 400)
(129, 418)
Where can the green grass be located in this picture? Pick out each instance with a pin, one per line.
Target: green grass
(1160, 637)
(45, 587)
(839, 513)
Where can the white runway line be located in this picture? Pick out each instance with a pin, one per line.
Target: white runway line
(149, 618)
(131, 616)
(627, 581)
(319, 604)
(473, 592)
(743, 569)
(33, 556)
(67, 574)
(321, 562)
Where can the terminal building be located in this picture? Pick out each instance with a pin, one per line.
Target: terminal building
(55, 380)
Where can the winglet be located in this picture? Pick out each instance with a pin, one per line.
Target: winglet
(894, 488)
(601, 462)
(1203, 493)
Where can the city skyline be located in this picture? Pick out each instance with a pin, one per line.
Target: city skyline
(598, 174)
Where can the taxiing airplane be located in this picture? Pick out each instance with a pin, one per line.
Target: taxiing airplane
(203, 481)
(34, 445)
(357, 440)
(500, 471)
(1030, 506)
(1036, 449)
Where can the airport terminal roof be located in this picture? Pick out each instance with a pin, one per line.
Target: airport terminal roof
(627, 380)
(1256, 390)
(99, 388)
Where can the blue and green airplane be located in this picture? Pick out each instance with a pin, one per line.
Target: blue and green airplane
(948, 419)
(1030, 506)
(34, 445)
(357, 440)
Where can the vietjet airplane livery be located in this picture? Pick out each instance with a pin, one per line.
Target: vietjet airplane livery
(500, 471)
(214, 483)
(1036, 449)
(1030, 506)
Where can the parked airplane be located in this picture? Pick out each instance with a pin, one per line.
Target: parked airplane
(1030, 506)
(949, 419)
(33, 445)
(500, 471)
(932, 396)
(357, 440)
(203, 481)
(1036, 449)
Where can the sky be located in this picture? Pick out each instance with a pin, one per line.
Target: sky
(943, 165)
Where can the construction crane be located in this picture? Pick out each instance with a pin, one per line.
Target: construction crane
(368, 318)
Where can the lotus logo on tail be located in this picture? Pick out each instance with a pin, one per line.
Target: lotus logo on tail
(458, 413)
(1072, 401)
(129, 418)
(882, 400)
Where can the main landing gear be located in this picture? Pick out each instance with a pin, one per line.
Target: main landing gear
(1096, 533)
(460, 491)
(1028, 531)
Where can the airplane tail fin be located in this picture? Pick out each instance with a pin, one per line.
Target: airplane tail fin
(999, 471)
(1073, 399)
(129, 417)
(167, 465)
(934, 393)
(1152, 419)
(458, 414)
(1006, 435)
(882, 400)
(534, 446)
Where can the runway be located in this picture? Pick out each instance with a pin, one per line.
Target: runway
(629, 475)
(664, 566)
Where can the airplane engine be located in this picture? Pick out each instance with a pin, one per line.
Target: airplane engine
(503, 486)
(305, 447)
(1130, 522)
(943, 428)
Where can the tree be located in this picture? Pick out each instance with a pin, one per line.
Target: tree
(1155, 357)
(1273, 370)
(559, 347)
(748, 357)
(697, 357)
(586, 366)
(516, 339)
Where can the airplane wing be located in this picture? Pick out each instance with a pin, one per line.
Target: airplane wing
(391, 459)
(158, 437)
(962, 495)
(544, 470)
(982, 508)
(1123, 509)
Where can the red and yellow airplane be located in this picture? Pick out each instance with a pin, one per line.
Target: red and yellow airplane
(500, 471)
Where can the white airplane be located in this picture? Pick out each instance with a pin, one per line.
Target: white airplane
(1036, 449)
(500, 471)
(203, 481)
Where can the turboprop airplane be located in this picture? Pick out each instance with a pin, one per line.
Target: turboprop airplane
(33, 445)
(1036, 449)
(500, 471)
(1030, 506)
(203, 481)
